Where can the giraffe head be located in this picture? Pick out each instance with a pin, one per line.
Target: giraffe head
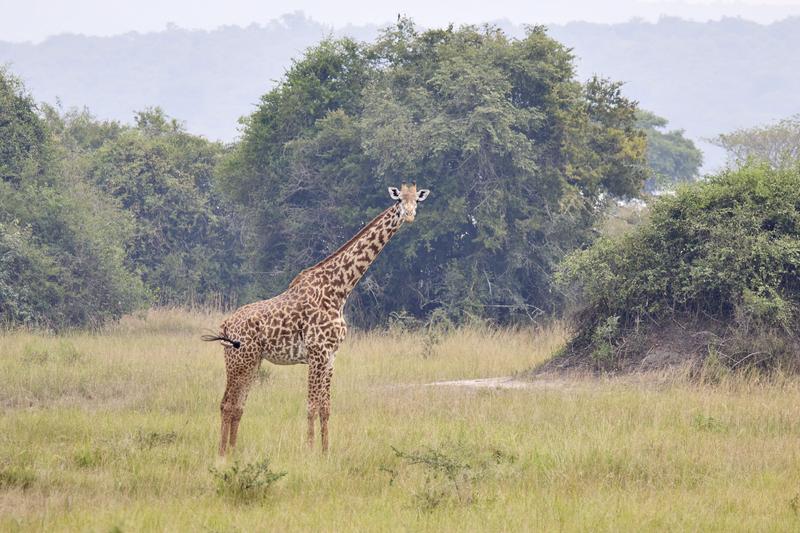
(408, 196)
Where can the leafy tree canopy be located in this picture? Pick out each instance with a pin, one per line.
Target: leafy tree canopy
(61, 253)
(518, 154)
(97, 218)
(672, 157)
(776, 144)
(22, 133)
(182, 244)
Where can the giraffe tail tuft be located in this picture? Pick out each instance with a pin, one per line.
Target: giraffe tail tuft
(209, 338)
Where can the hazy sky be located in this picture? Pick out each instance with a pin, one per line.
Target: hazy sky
(33, 20)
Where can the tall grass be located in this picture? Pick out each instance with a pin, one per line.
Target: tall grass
(119, 429)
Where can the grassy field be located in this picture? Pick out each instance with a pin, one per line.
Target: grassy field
(118, 432)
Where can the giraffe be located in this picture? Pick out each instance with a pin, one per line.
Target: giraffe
(305, 324)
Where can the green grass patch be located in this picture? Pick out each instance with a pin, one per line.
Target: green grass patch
(127, 438)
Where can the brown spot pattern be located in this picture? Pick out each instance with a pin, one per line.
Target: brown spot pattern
(303, 325)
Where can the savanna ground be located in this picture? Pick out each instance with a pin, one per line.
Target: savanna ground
(118, 431)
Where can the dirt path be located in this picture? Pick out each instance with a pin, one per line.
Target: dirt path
(507, 382)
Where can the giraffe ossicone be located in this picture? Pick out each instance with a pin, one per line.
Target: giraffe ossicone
(305, 324)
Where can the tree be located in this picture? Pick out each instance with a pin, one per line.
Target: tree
(671, 157)
(61, 255)
(776, 144)
(183, 243)
(518, 154)
(22, 133)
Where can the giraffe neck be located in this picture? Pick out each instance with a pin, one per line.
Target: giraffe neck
(345, 267)
(353, 259)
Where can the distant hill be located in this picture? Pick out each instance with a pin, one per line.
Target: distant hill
(206, 78)
(704, 77)
(707, 78)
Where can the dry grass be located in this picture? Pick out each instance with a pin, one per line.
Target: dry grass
(119, 430)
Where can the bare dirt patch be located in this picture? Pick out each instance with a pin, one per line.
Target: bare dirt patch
(507, 382)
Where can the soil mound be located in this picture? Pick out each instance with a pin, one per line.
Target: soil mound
(691, 345)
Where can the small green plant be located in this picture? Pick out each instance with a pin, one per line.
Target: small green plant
(447, 478)
(35, 355)
(708, 423)
(246, 483)
(602, 340)
(87, 458)
(264, 375)
(450, 476)
(714, 370)
(434, 332)
(68, 353)
(401, 322)
(16, 477)
(794, 504)
(151, 439)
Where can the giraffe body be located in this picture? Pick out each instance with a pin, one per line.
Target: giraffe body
(305, 324)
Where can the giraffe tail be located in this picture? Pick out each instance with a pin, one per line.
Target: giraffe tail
(209, 338)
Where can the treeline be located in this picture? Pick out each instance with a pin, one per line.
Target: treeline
(98, 218)
(690, 72)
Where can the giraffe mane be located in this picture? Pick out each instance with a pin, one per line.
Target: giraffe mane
(342, 248)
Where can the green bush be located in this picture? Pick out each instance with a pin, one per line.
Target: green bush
(61, 242)
(451, 473)
(97, 218)
(517, 152)
(727, 250)
(246, 483)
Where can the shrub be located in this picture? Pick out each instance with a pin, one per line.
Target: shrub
(246, 483)
(725, 250)
(451, 475)
(152, 439)
(38, 354)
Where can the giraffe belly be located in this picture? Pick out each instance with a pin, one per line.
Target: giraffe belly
(287, 351)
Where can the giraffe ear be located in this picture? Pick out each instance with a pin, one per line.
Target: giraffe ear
(422, 194)
(394, 193)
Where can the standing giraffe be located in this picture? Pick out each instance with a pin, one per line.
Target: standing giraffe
(305, 323)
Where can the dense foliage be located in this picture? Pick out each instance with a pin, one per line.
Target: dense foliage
(517, 153)
(672, 157)
(183, 243)
(97, 218)
(61, 246)
(727, 249)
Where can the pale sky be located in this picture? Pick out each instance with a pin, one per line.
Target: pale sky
(34, 20)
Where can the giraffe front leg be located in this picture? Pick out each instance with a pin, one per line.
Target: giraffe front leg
(319, 372)
(325, 403)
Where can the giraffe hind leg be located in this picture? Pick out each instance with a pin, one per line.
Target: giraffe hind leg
(226, 424)
(236, 416)
(240, 378)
